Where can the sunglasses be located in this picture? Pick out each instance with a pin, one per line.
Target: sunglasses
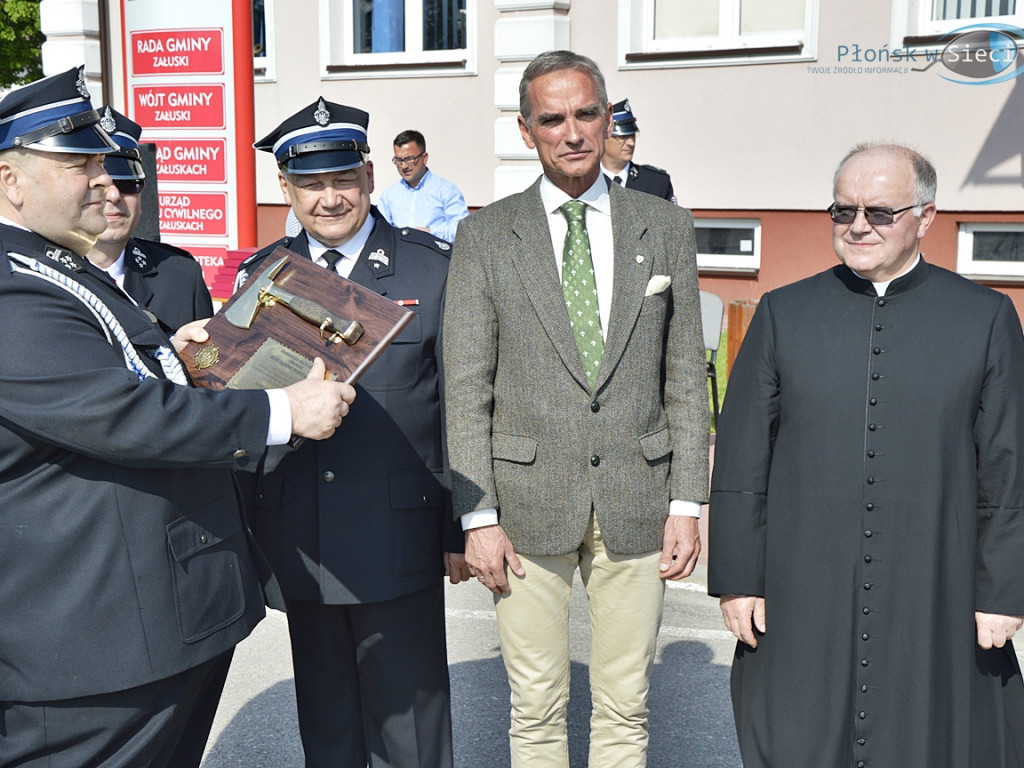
(129, 186)
(876, 215)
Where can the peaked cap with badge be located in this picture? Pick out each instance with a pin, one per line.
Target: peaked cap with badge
(319, 138)
(125, 162)
(623, 121)
(53, 115)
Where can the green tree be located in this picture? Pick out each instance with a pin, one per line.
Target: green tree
(21, 58)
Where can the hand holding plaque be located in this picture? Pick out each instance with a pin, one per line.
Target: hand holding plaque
(289, 312)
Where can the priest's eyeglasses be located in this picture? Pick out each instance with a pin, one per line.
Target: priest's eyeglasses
(876, 215)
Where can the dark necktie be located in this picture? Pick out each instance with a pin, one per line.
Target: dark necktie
(617, 180)
(333, 257)
(580, 288)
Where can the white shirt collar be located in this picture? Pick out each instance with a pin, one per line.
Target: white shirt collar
(350, 249)
(595, 197)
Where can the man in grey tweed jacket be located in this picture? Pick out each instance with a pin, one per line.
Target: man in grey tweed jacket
(583, 475)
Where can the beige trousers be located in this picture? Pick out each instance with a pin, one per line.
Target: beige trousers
(626, 598)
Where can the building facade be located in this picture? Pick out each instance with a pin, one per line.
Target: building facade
(749, 104)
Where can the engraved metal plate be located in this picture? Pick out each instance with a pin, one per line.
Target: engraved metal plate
(274, 365)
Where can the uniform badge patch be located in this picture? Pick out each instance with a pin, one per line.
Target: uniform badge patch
(379, 259)
(141, 260)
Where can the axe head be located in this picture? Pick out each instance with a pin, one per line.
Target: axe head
(243, 309)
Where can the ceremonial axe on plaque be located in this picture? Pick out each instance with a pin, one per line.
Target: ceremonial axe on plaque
(262, 292)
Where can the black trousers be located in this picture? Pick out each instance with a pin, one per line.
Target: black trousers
(371, 682)
(163, 724)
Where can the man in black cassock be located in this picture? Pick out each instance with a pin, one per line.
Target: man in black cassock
(867, 504)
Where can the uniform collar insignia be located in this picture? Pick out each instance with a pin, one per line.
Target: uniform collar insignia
(80, 84)
(107, 122)
(633, 171)
(141, 260)
(379, 259)
(66, 259)
(322, 115)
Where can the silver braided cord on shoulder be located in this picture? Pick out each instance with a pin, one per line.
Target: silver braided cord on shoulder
(111, 327)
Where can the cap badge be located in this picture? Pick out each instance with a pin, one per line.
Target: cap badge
(322, 115)
(379, 258)
(80, 84)
(140, 258)
(107, 122)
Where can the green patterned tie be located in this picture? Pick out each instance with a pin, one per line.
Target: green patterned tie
(580, 288)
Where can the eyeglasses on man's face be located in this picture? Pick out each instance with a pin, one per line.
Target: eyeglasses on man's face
(407, 160)
(875, 215)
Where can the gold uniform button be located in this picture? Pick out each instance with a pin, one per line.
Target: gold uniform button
(240, 453)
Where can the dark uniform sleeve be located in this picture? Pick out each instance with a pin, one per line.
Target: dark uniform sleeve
(64, 383)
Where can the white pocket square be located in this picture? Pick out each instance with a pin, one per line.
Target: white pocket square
(657, 284)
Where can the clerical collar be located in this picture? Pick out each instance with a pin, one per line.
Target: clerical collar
(883, 286)
(350, 249)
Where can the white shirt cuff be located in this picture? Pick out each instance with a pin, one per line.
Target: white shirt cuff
(684, 508)
(279, 430)
(478, 518)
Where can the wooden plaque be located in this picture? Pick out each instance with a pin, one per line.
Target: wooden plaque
(278, 349)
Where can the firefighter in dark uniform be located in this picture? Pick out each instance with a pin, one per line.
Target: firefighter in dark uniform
(359, 528)
(166, 281)
(618, 164)
(127, 573)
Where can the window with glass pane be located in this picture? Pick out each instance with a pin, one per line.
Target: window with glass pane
(726, 18)
(259, 30)
(990, 249)
(998, 246)
(379, 26)
(760, 16)
(728, 244)
(444, 25)
(738, 241)
(945, 10)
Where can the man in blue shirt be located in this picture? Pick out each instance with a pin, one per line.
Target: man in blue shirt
(422, 200)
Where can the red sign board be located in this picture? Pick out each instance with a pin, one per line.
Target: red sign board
(177, 51)
(192, 160)
(193, 213)
(179, 106)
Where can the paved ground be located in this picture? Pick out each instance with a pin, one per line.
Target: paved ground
(691, 719)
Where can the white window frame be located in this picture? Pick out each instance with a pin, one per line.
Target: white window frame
(968, 267)
(336, 38)
(638, 47)
(265, 67)
(912, 18)
(721, 262)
